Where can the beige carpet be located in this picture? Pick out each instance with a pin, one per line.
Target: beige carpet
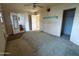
(41, 44)
(15, 36)
(18, 47)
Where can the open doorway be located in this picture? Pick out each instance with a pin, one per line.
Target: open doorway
(34, 22)
(18, 23)
(68, 17)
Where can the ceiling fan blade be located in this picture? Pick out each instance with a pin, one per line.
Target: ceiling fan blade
(40, 6)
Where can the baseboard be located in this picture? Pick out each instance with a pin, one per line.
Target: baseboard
(50, 34)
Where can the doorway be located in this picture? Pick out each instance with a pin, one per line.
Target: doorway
(68, 17)
(34, 22)
(18, 23)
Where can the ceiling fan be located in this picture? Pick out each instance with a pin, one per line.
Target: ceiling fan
(35, 8)
(35, 5)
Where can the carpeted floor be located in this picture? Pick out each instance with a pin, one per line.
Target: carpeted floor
(41, 44)
(15, 36)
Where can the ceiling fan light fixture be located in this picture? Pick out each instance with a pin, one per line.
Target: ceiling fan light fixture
(35, 13)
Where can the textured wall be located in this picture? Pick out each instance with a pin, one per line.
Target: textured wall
(2, 41)
(6, 17)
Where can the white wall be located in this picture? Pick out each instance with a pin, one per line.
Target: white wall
(38, 22)
(34, 22)
(54, 28)
(26, 22)
(75, 29)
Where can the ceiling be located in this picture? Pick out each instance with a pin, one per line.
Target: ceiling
(28, 6)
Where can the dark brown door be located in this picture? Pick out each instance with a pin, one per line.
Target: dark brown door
(30, 22)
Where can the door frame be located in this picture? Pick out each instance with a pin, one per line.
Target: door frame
(30, 22)
(63, 20)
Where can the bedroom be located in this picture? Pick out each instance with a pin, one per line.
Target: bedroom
(42, 31)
